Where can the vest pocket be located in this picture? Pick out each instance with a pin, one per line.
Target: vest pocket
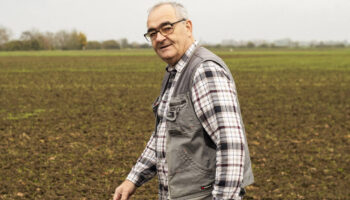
(180, 116)
(175, 106)
(186, 158)
(189, 179)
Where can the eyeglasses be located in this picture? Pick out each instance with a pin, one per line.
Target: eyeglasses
(164, 29)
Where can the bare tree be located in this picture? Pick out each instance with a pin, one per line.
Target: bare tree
(70, 40)
(124, 43)
(5, 35)
(35, 40)
(61, 39)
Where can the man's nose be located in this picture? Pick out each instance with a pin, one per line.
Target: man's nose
(160, 37)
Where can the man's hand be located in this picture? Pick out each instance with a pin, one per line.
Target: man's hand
(124, 190)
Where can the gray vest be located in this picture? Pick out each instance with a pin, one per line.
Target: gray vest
(190, 153)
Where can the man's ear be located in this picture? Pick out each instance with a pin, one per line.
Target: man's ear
(189, 27)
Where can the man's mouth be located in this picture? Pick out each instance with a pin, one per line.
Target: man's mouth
(164, 46)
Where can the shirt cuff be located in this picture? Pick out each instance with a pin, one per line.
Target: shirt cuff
(236, 196)
(134, 177)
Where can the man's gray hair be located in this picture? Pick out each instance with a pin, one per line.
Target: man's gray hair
(180, 10)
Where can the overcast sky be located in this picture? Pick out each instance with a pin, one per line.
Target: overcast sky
(213, 21)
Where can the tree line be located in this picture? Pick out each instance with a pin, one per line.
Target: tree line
(281, 43)
(76, 40)
(61, 40)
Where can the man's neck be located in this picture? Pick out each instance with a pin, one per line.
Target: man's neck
(186, 49)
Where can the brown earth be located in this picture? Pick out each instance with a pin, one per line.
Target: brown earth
(71, 127)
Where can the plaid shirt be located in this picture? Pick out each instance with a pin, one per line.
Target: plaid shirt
(215, 102)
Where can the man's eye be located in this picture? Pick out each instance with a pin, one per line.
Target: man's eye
(152, 34)
(167, 28)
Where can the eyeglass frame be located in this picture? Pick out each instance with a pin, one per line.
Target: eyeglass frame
(159, 28)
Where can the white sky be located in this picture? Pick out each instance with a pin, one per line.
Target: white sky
(213, 21)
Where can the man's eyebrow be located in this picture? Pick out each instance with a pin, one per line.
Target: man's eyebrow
(162, 24)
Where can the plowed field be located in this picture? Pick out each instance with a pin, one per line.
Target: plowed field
(72, 124)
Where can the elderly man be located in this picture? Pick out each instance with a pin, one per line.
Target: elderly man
(199, 148)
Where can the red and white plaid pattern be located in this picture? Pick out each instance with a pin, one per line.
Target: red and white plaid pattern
(215, 102)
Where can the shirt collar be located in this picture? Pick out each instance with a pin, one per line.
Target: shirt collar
(184, 59)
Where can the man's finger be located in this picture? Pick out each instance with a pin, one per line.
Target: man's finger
(125, 196)
(116, 196)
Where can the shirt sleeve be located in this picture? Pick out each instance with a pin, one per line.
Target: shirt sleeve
(145, 167)
(216, 105)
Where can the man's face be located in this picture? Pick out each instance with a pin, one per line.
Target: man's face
(170, 48)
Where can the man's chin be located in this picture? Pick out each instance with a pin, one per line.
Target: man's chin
(165, 55)
(168, 59)
(164, 52)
